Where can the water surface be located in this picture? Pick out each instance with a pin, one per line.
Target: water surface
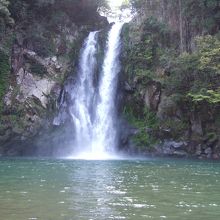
(139, 189)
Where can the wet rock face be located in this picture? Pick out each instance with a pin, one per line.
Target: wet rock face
(173, 148)
(29, 102)
(17, 58)
(196, 124)
(33, 86)
(167, 108)
(152, 96)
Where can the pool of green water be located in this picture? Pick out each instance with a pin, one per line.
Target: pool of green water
(32, 189)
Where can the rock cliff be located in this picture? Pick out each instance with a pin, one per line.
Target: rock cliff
(41, 49)
(170, 78)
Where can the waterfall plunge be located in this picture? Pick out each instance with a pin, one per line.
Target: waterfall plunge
(93, 110)
(105, 129)
(83, 94)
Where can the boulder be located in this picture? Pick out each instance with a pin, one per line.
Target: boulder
(172, 148)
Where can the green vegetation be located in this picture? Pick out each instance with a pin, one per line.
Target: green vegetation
(44, 9)
(197, 75)
(179, 48)
(143, 123)
(209, 54)
(143, 56)
(206, 96)
(202, 15)
(176, 127)
(189, 74)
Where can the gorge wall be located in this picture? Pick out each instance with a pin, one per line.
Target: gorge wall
(169, 98)
(171, 78)
(39, 46)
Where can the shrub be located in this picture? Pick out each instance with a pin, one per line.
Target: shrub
(206, 96)
(144, 121)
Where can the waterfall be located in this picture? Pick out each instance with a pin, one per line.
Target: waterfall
(105, 128)
(82, 94)
(93, 108)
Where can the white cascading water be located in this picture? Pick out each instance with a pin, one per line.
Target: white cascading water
(94, 110)
(83, 94)
(105, 125)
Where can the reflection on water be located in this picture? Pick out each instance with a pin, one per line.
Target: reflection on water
(72, 190)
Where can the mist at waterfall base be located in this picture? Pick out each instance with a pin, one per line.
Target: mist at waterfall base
(92, 108)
